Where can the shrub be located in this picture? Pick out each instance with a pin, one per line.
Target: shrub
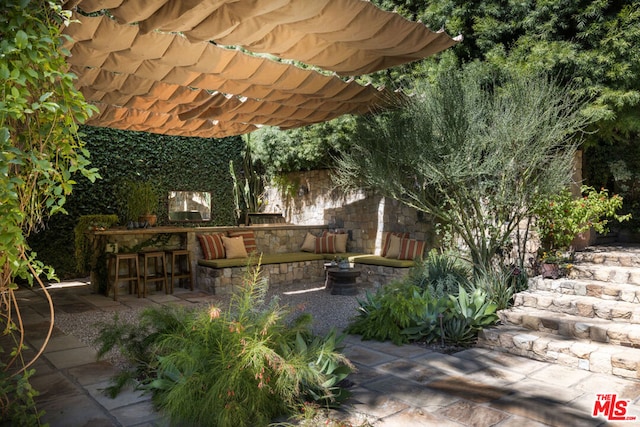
(561, 217)
(387, 313)
(431, 304)
(239, 367)
(441, 274)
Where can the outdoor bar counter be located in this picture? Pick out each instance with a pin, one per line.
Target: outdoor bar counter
(278, 238)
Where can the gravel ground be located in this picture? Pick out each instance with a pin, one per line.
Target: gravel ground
(328, 311)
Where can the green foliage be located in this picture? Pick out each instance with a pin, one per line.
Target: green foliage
(590, 45)
(501, 283)
(475, 156)
(248, 184)
(475, 308)
(39, 113)
(307, 148)
(385, 314)
(83, 249)
(440, 274)
(561, 217)
(137, 198)
(238, 367)
(170, 162)
(420, 308)
(40, 152)
(17, 405)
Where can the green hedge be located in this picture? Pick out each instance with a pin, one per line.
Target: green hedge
(172, 163)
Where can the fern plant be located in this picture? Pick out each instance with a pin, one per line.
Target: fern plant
(242, 366)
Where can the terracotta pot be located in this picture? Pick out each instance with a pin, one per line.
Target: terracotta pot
(584, 239)
(150, 218)
(549, 271)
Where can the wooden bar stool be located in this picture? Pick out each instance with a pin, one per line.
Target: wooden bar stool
(180, 266)
(159, 273)
(132, 274)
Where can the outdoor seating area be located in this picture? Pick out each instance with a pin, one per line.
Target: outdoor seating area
(334, 212)
(219, 271)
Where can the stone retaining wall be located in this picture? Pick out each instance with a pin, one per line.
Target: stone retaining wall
(223, 281)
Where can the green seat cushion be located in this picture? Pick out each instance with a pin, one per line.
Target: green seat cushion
(357, 258)
(380, 260)
(343, 255)
(266, 259)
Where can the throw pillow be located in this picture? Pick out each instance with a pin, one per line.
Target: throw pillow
(249, 239)
(341, 238)
(326, 244)
(234, 247)
(309, 244)
(211, 244)
(411, 249)
(393, 249)
(341, 242)
(386, 240)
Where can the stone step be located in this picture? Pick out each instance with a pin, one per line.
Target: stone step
(624, 256)
(606, 273)
(577, 353)
(584, 306)
(604, 290)
(589, 328)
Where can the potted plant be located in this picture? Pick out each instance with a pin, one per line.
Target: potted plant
(554, 264)
(141, 199)
(562, 218)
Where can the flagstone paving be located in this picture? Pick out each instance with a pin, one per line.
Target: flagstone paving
(394, 385)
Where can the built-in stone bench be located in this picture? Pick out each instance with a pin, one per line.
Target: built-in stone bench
(223, 275)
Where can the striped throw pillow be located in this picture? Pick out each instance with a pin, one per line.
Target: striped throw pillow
(411, 249)
(211, 244)
(386, 240)
(326, 244)
(249, 239)
(341, 237)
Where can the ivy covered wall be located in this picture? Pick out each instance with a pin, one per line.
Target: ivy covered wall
(170, 162)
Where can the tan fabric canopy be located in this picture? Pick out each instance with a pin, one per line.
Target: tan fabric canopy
(153, 67)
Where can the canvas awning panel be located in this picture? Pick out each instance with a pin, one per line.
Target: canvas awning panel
(145, 76)
(349, 37)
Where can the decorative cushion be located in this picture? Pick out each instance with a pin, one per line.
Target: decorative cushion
(249, 239)
(341, 238)
(393, 247)
(326, 244)
(211, 244)
(234, 247)
(309, 244)
(411, 249)
(386, 240)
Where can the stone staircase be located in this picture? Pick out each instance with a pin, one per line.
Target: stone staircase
(589, 320)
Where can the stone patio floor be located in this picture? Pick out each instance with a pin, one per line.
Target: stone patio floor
(394, 386)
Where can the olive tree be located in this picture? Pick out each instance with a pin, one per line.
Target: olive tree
(474, 154)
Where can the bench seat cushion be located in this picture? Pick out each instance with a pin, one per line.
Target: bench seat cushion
(354, 257)
(266, 259)
(380, 260)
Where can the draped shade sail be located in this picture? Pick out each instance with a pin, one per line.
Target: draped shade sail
(158, 65)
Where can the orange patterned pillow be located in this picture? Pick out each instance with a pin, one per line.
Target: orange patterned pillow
(211, 244)
(341, 238)
(326, 244)
(386, 240)
(411, 249)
